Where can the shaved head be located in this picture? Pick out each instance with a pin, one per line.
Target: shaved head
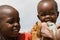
(47, 11)
(47, 0)
(47, 4)
(7, 10)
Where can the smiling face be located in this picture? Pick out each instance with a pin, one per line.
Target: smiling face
(47, 11)
(9, 22)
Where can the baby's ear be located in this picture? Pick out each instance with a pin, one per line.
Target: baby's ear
(57, 13)
(38, 16)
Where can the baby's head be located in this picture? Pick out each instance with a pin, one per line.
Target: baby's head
(47, 11)
(9, 21)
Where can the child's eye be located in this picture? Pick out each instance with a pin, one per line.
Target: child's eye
(18, 20)
(10, 22)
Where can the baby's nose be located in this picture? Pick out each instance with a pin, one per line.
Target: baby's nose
(47, 16)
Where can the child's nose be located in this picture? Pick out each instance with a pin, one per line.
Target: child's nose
(15, 24)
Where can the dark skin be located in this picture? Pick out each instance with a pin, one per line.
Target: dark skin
(9, 22)
(47, 12)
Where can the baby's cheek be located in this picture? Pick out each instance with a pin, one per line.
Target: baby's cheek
(54, 17)
(43, 17)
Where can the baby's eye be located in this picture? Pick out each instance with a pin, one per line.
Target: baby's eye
(43, 14)
(52, 13)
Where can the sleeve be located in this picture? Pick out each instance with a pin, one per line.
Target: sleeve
(25, 36)
(28, 36)
(21, 36)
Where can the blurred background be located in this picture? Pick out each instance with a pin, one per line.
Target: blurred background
(27, 12)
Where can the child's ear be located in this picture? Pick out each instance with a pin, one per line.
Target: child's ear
(38, 16)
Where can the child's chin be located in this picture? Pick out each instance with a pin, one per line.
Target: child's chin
(14, 35)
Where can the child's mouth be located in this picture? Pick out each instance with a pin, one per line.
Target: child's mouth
(15, 30)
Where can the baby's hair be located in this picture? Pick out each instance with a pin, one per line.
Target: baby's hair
(55, 4)
(47, 0)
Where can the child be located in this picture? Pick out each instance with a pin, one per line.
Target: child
(9, 24)
(47, 12)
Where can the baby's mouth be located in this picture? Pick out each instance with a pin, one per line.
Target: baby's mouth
(48, 20)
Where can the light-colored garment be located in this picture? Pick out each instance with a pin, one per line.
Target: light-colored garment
(35, 31)
(37, 38)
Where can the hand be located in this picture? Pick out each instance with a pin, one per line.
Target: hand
(46, 32)
(58, 32)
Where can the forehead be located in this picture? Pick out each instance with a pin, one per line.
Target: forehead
(6, 17)
(9, 12)
(46, 6)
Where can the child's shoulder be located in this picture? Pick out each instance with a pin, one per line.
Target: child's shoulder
(25, 36)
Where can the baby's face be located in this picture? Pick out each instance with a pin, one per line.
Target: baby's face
(47, 12)
(10, 25)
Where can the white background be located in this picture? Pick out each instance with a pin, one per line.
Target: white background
(27, 12)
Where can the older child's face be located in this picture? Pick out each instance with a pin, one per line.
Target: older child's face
(47, 12)
(10, 23)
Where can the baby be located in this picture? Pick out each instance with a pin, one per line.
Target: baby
(47, 12)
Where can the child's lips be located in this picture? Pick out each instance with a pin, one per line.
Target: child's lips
(15, 30)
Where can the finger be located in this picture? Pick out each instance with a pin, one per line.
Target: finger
(58, 26)
(44, 25)
(44, 33)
